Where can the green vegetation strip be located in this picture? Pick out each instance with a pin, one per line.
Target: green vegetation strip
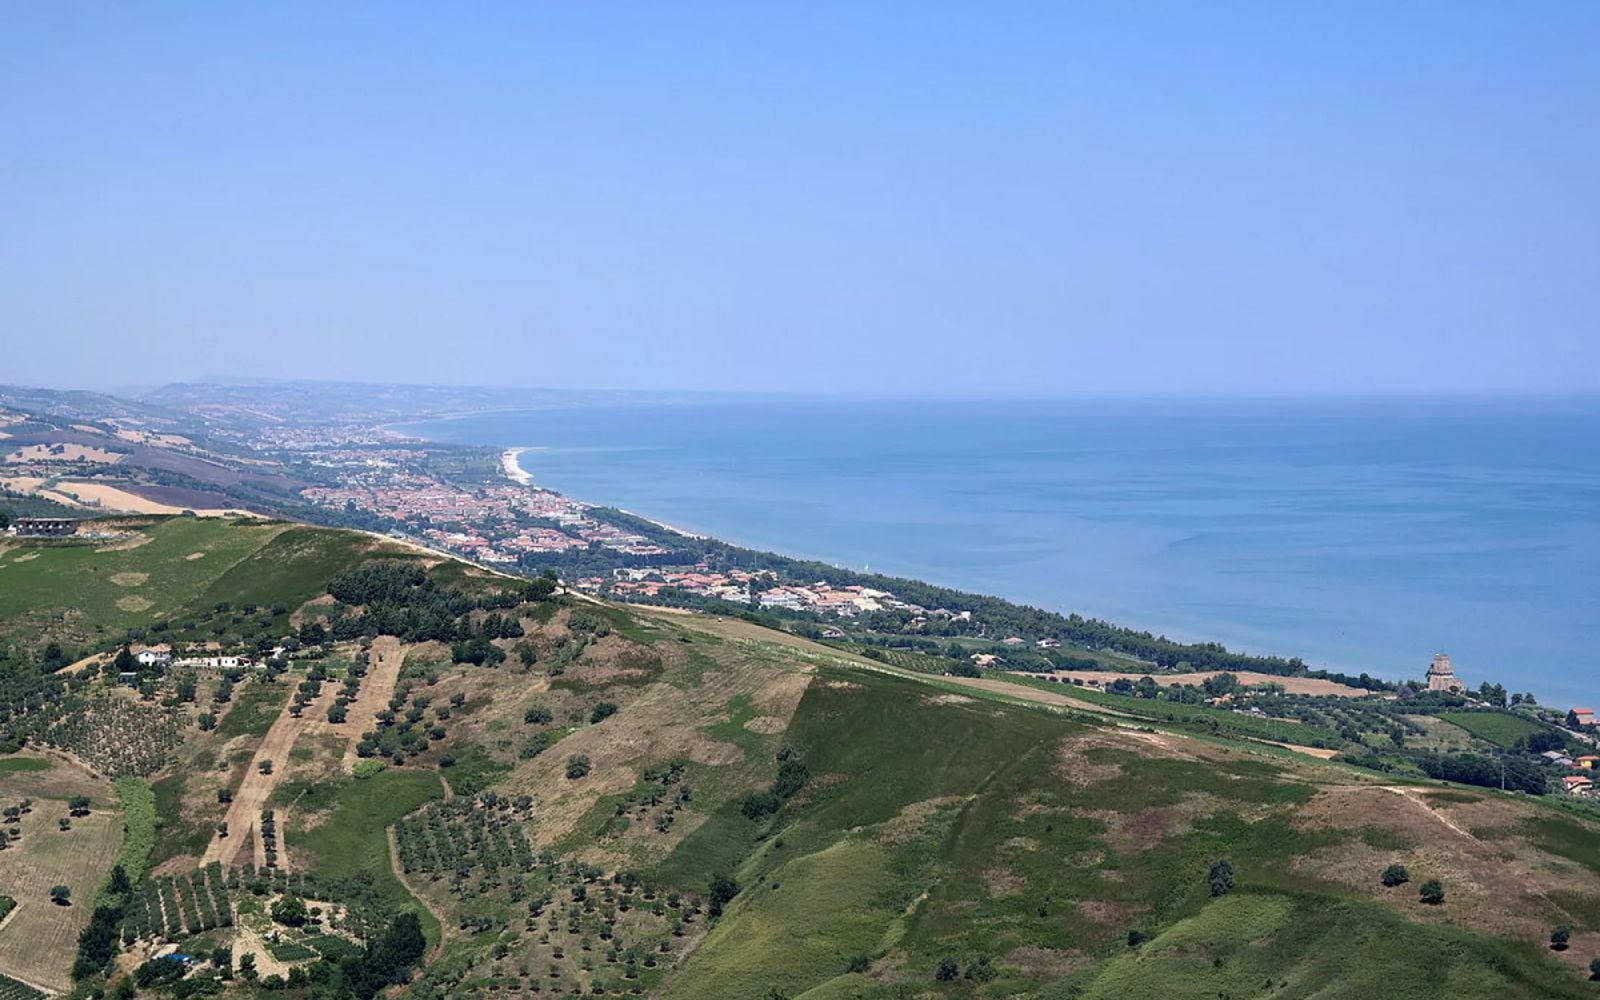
(19, 765)
(139, 820)
(1500, 728)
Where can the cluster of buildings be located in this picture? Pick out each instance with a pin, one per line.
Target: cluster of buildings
(493, 524)
(737, 586)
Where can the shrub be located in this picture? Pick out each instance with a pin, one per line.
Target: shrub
(1395, 875)
(1220, 878)
(1433, 892)
(1559, 937)
(948, 970)
(577, 766)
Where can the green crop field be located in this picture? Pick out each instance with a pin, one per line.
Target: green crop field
(1503, 729)
(19, 765)
(123, 585)
(350, 836)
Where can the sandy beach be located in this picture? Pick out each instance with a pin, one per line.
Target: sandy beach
(513, 471)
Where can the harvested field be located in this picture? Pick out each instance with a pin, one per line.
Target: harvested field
(1293, 685)
(67, 453)
(38, 942)
(116, 498)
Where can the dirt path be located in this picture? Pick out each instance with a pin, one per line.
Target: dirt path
(399, 873)
(79, 666)
(376, 689)
(248, 799)
(1414, 795)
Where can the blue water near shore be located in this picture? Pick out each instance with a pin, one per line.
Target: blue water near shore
(1358, 534)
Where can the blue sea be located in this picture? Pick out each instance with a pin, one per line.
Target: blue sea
(1360, 534)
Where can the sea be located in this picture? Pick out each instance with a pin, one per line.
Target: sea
(1357, 533)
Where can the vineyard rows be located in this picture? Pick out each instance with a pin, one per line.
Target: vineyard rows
(172, 906)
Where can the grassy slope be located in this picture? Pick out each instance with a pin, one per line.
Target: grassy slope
(961, 830)
(1500, 728)
(936, 823)
(117, 588)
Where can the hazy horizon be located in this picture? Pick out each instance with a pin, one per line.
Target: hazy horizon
(1226, 199)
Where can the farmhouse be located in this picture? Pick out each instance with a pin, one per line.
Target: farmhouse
(1587, 761)
(1580, 718)
(1577, 784)
(153, 657)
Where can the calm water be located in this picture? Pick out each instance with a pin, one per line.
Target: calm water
(1357, 534)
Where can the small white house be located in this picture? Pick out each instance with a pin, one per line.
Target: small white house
(153, 658)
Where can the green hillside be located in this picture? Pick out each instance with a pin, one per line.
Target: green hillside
(572, 798)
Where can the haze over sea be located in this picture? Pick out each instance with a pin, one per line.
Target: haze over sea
(1360, 534)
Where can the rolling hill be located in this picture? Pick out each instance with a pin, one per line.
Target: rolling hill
(569, 797)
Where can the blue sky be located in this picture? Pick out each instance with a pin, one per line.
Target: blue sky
(1051, 198)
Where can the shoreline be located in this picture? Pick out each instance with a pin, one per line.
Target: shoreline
(513, 470)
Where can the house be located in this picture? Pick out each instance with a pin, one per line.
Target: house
(1013, 640)
(1577, 784)
(1049, 642)
(985, 659)
(1580, 718)
(153, 658)
(832, 633)
(1587, 761)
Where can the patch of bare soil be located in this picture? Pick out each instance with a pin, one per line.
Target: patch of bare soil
(135, 603)
(383, 674)
(766, 725)
(916, 819)
(1036, 962)
(1138, 831)
(1103, 911)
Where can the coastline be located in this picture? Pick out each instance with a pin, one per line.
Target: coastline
(516, 473)
(513, 470)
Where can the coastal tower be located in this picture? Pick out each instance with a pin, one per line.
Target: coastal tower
(1442, 676)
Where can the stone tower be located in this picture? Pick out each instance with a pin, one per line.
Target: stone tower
(1442, 676)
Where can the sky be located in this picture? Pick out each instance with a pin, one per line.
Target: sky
(864, 198)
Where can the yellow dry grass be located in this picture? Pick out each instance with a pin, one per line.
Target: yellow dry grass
(68, 453)
(38, 942)
(114, 498)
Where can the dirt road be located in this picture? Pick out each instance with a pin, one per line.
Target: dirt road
(244, 814)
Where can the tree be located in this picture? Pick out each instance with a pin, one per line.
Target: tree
(61, 895)
(247, 966)
(124, 663)
(1559, 938)
(1220, 877)
(723, 889)
(1433, 892)
(290, 911)
(603, 711)
(78, 805)
(222, 828)
(1395, 874)
(948, 970)
(1136, 938)
(577, 766)
(1594, 968)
